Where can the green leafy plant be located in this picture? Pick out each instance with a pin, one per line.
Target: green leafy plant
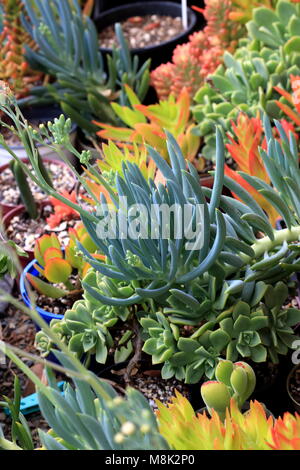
(278, 336)
(69, 51)
(8, 252)
(243, 329)
(20, 431)
(95, 417)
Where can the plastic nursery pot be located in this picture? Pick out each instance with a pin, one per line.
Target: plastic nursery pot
(103, 5)
(5, 208)
(47, 316)
(207, 181)
(296, 404)
(35, 116)
(6, 221)
(162, 52)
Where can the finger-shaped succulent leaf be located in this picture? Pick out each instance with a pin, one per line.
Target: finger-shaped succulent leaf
(216, 396)
(251, 379)
(223, 371)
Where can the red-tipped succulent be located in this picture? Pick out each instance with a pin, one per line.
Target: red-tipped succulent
(57, 266)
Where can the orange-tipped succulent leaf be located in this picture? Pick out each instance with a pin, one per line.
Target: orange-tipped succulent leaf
(293, 99)
(43, 244)
(57, 270)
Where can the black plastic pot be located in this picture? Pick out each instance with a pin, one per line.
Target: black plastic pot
(104, 5)
(293, 400)
(41, 113)
(160, 53)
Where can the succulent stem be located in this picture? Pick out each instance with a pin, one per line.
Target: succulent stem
(265, 244)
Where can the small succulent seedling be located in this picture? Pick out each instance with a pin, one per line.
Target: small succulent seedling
(234, 380)
(56, 264)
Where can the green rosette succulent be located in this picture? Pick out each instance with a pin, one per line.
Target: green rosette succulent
(243, 328)
(161, 343)
(279, 335)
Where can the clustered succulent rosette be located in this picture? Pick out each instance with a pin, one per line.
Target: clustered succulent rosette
(246, 80)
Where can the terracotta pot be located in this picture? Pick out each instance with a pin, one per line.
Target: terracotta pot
(207, 181)
(6, 221)
(5, 208)
(295, 403)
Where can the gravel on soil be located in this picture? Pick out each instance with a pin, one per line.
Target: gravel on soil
(63, 179)
(143, 31)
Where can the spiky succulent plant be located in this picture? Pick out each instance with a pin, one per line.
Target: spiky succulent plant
(14, 67)
(188, 293)
(69, 51)
(193, 61)
(246, 80)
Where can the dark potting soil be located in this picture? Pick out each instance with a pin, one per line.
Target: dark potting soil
(274, 395)
(143, 31)
(61, 176)
(57, 306)
(149, 382)
(24, 231)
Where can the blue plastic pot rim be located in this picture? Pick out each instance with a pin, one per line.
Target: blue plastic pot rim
(47, 316)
